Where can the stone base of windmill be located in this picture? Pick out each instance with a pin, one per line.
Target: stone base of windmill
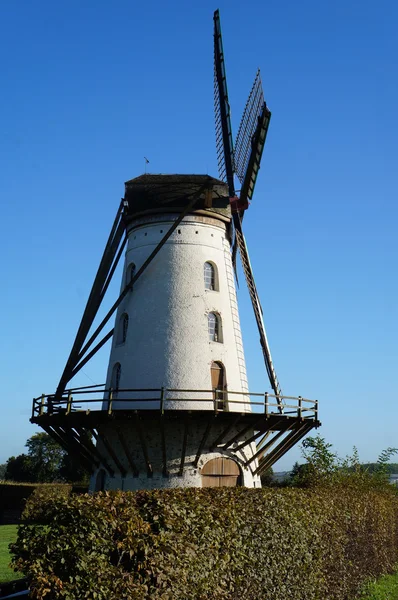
(172, 454)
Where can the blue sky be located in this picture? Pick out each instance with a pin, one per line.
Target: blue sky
(89, 89)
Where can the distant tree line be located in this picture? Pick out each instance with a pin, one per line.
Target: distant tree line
(323, 466)
(44, 462)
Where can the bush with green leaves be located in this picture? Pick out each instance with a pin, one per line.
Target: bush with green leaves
(216, 544)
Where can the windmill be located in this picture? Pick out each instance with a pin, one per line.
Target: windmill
(175, 409)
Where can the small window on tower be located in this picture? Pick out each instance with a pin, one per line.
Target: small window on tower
(210, 276)
(130, 273)
(123, 327)
(115, 381)
(214, 324)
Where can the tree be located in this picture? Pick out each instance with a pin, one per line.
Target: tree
(3, 470)
(46, 457)
(19, 468)
(45, 462)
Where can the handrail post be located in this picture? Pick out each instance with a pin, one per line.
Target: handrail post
(299, 407)
(266, 403)
(215, 399)
(42, 405)
(69, 403)
(162, 401)
(110, 401)
(316, 410)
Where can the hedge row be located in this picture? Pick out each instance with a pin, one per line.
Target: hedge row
(199, 544)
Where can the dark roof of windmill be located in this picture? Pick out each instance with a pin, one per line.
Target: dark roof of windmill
(149, 192)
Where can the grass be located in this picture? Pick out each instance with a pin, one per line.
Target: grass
(8, 534)
(385, 588)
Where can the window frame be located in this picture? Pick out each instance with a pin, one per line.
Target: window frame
(115, 378)
(122, 329)
(214, 276)
(216, 337)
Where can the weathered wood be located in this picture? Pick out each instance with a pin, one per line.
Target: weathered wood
(74, 449)
(94, 299)
(144, 447)
(75, 440)
(163, 442)
(92, 353)
(112, 454)
(203, 441)
(292, 438)
(222, 435)
(102, 459)
(127, 452)
(243, 431)
(251, 439)
(184, 446)
(269, 444)
(130, 285)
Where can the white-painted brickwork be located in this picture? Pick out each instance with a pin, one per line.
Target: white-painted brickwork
(167, 341)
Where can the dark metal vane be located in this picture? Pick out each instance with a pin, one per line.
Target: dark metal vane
(245, 163)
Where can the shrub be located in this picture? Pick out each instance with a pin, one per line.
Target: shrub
(216, 544)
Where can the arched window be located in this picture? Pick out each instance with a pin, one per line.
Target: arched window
(123, 327)
(214, 324)
(130, 273)
(219, 385)
(115, 381)
(210, 276)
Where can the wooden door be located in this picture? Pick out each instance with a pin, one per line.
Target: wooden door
(218, 384)
(221, 472)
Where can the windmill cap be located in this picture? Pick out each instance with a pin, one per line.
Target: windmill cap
(159, 193)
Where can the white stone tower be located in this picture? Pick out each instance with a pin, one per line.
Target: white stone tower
(178, 329)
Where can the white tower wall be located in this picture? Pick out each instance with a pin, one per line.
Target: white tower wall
(167, 343)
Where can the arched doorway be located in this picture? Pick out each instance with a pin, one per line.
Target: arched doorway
(100, 481)
(219, 385)
(221, 472)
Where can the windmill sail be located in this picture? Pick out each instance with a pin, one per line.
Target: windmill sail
(246, 163)
(258, 312)
(257, 147)
(224, 142)
(248, 126)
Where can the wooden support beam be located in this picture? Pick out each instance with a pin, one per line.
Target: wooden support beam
(203, 441)
(222, 435)
(184, 446)
(92, 353)
(251, 439)
(95, 298)
(240, 434)
(103, 461)
(127, 452)
(141, 435)
(163, 442)
(273, 427)
(130, 285)
(87, 445)
(74, 449)
(285, 445)
(112, 454)
(76, 440)
(269, 444)
(113, 269)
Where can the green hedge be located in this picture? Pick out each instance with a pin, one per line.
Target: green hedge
(216, 544)
(13, 495)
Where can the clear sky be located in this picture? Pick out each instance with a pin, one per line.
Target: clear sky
(90, 88)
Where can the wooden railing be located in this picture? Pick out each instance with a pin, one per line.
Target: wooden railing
(83, 399)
